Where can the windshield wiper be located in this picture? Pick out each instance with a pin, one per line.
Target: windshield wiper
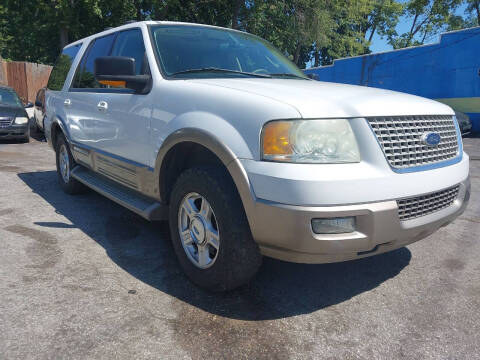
(289, 76)
(219, 70)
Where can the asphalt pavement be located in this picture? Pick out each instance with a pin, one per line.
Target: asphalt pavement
(83, 278)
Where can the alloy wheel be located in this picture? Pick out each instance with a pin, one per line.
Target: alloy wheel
(198, 230)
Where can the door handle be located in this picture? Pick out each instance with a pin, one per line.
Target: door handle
(102, 106)
(67, 102)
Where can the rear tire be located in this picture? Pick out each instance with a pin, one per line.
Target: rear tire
(34, 126)
(232, 256)
(65, 164)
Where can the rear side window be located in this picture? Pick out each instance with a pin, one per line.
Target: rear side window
(130, 43)
(40, 100)
(62, 66)
(85, 76)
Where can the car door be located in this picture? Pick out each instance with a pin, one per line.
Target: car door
(124, 133)
(111, 124)
(82, 98)
(55, 91)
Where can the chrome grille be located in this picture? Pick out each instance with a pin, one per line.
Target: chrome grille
(415, 207)
(401, 139)
(5, 122)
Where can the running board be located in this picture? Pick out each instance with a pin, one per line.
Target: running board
(143, 206)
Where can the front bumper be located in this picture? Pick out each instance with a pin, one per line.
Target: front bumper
(14, 132)
(284, 231)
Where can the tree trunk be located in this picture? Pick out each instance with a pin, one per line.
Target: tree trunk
(296, 57)
(138, 8)
(372, 33)
(424, 37)
(63, 36)
(236, 11)
(317, 58)
(477, 7)
(411, 33)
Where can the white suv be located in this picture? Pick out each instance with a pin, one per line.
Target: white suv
(215, 130)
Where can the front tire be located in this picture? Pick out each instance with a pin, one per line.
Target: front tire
(210, 231)
(65, 163)
(26, 138)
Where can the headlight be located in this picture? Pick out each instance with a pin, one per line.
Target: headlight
(21, 120)
(310, 141)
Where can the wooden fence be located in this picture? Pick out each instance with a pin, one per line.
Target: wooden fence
(26, 78)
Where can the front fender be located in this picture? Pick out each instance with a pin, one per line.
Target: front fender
(49, 126)
(213, 125)
(226, 155)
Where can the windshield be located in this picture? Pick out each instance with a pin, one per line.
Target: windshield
(9, 97)
(197, 52)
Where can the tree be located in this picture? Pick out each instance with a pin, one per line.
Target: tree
(347, 37)
(37, 29)
(304, 30)
(4, 33)
(238, 5)
(212, 12)
(383, 18)
(473, 9)
(428, 18)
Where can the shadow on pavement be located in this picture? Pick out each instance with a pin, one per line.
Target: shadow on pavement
(38, 136)
(9, 141)
(144, 250)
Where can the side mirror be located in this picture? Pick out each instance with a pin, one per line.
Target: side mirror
(28, 105)
(119, 71)
(312, 76)
(38, 104)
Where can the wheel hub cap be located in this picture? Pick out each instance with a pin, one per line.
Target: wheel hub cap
(64, 164)
(198, 230)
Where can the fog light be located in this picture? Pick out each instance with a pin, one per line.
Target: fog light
(334, 225)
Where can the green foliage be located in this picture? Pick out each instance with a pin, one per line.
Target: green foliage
(305, 30)
(4, 35)
(427, 19)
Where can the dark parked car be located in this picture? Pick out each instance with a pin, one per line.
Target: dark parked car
(464, 123)
(13, 117)
(39, 112)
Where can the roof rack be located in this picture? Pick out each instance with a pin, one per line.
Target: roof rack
(130, 21)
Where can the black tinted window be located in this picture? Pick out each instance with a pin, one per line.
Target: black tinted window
(85, 77)
(61, 68)
(130, 43)
(40, 100)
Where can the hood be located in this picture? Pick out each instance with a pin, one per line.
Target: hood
(315, 99)
(11, 111)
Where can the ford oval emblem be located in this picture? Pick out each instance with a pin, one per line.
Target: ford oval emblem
(431, 139)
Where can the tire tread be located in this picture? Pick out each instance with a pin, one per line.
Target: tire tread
(239, 258)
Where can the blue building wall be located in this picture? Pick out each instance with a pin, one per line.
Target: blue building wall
(448, 71)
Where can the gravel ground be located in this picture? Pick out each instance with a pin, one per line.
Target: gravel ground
(81, 277)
